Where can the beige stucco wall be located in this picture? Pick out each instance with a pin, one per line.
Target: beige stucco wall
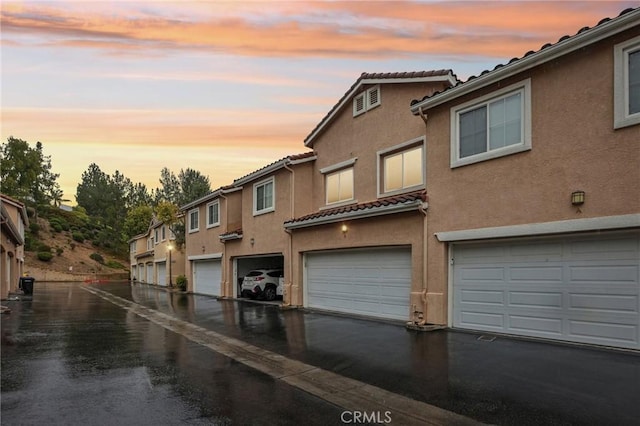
(361, 137)
(11, 254)
(574, 147)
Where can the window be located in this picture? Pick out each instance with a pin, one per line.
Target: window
(493, 126)
(339, 186)
(366, 100)
(156, 239)
(263, 197)
(194, 220)
(213, 214)
(402, 167)
(164, 232)
(626, 101)
(150, 243)
(132, 247)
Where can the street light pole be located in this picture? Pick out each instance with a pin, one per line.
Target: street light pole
(170, 247)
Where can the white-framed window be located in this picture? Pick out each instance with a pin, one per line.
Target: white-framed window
(213, 214)
(402, 168)
(132, 247)
(164, 232)
(194, 220)
(150, 243)
(264, 196)
(339, 186)
(492, 126)
(156, 239)
(366, 100)
(626, 83)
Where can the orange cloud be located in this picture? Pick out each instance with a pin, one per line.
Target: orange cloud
(352, 29)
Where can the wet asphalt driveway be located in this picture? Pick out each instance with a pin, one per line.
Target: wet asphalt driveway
(73, 357)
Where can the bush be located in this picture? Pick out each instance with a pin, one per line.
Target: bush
(45, 256)
(56, 226)
(73, 246)
(78, 236)
(181, 282)
(34, 228)
(43, 247)
(115, 265)
(59, 251)
(97, 257)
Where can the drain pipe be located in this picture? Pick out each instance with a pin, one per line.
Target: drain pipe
(423, 295)
(286, 302)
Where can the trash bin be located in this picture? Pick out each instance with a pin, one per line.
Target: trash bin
(26, 284)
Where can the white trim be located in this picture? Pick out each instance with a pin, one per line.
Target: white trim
(338, 166)
(214, 224)
(211, 256)
(533, 229)
(396, 149)
(621, 115)
(523, 87)
(576, 42)
(273, 195)
(192, 230)
(363, 97)
(160, 260)
(260, 173)
(303, 160)
(201, 200)
(379, 94)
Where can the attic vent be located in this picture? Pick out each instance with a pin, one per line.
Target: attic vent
(373, 96)
(359, 104)
(366, 100)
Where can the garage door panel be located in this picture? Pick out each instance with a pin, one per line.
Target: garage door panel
(591, 294)
(539, 299)
(207, 277)
(372, 282)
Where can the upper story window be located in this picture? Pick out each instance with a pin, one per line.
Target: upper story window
(626, 99)
(132, 247)
(164, 232)
(492, 126)
(339, 186)
(150, 243)
(402, 167)
(263, 196)
(156, 239)
(366, 100)
(194, 220)
(213, 214)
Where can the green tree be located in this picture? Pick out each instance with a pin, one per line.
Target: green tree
(25, 173)
(168, 213)
(188, 186)
(137, 221)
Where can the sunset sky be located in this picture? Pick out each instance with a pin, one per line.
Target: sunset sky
(226, 87)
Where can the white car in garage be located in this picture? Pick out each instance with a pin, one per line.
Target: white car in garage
(263, 283)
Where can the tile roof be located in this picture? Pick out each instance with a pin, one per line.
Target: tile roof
(232, 235)
(289, 159)
(371, 208)
(513, 61)
(364, 78)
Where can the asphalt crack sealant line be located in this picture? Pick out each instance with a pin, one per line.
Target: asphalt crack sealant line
(352, 395)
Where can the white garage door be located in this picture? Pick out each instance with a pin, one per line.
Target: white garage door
(372, 282)
(141, 273)
(149, 278)
(207, 275)
(162, 273)
(579, 289)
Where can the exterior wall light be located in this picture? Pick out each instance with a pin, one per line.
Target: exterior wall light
(252, 241)
(577, 198)
(344, 229)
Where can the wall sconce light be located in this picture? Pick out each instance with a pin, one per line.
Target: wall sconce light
(577, 198)
(252, 241)
(344, 229)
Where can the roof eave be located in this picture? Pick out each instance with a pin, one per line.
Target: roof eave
(449, 77)
(357, 214)
(571, 44)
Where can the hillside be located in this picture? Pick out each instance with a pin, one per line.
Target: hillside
(71, 259)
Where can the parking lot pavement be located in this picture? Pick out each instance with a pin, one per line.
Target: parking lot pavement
(492, 379)
(489, 379)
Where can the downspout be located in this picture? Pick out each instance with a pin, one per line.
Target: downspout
(224, 258)
(423, 210)
(286, 301)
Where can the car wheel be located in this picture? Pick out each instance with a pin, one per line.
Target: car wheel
(269, 293)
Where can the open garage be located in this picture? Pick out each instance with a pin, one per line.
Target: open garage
(581, 288)
(373, 282)
(244, 265)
